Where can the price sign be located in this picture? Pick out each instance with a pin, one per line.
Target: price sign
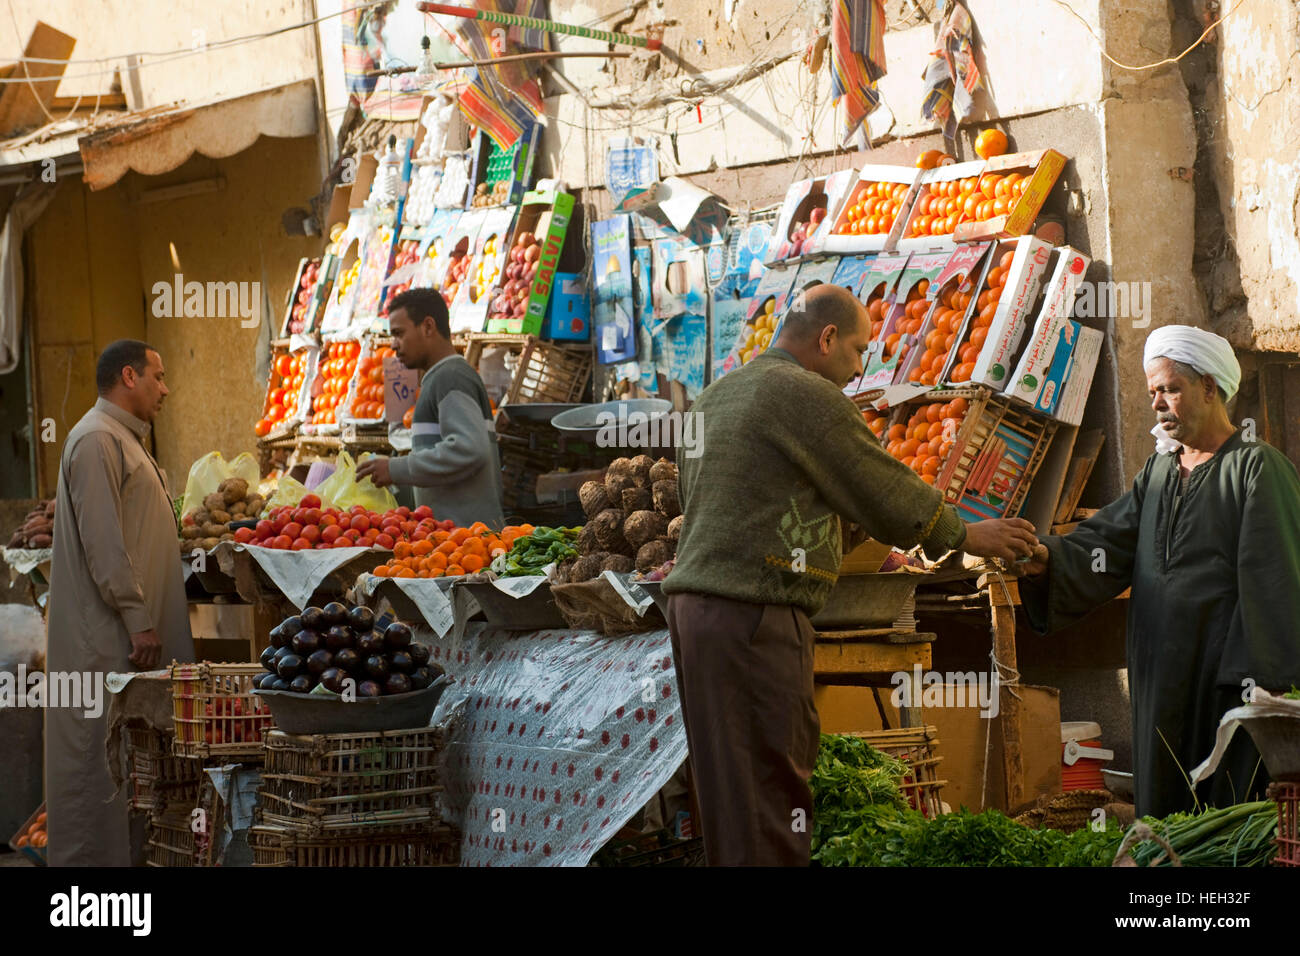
(400, 385)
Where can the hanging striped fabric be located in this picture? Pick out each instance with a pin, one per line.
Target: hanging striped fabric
(857, 59)
(502, 100)
(362, 49)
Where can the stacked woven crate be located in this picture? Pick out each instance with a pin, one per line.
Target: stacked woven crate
(360, 799)
(217, 721)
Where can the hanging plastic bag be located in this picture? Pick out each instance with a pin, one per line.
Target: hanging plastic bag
(211, 470)
(288, 492)
(342, 490)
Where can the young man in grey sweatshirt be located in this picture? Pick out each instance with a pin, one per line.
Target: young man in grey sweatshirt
(453, 467)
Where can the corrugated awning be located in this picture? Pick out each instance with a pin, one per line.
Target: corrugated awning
(157, 141)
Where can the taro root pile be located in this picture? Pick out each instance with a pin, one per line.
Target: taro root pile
(37, 529)
(324, 647)
(634, 519)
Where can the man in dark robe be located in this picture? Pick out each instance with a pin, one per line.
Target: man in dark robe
(1208, 538)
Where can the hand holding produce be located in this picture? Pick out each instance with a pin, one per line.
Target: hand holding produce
(37, 529)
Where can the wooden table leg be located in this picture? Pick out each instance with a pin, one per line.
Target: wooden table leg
(1003, 596)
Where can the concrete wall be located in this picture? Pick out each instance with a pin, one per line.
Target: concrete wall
(95, 258)
(173, 29)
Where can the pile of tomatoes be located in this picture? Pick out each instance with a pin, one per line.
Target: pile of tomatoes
(310, 527)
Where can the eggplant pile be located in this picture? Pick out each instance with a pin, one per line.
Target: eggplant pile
(328, 646)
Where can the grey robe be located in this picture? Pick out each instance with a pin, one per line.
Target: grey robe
(116, 571)
(1215, 572)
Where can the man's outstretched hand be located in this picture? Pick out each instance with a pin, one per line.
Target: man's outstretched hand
(1006, 538)
(1037, 564)
(376, 469)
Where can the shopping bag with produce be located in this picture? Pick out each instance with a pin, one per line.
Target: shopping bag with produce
(342, 490)
(210, 471)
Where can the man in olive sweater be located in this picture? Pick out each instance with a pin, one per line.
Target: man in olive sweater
(453, 466)
(785, 457)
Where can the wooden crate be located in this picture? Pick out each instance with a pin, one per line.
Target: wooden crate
(547, 372)
(917, 748)
(425, 846)
(1287, 796)
(995, 455)
(158, 777)
(181, 835)
(215, 713)
(352, 783)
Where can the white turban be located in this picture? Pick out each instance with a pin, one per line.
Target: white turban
(1206, 352)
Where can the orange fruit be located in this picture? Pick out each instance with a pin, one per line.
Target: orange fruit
(438, 560)
(453, 570)
(421, 548)
(447, 547)
(402, 549)
(990, 142)
(459, 535)
(929, 159)
(472, 563)
(405, 573)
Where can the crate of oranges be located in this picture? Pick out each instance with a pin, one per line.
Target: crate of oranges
(939, 204)
(31, 838)
(1009, 195)
(867, 216)
(450, 553)
(950, 295)
(283, 407)
(367, 393)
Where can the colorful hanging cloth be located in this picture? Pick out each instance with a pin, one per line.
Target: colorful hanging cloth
(952, 77)
(857, 59)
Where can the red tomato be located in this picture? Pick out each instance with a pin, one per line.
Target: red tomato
(385, 541)
(404, 511)
(360, 523)
(422, 512)
(279, 521)
(408, 527)
(282, 542)
(265, 529)
(293, 529)
(299, 515)
(301, 544)
(352, 534)
(313, 516)
(419, 535)
(357, 510)
(312, 533)
(309, 501)
(244, 535)
(331, 534)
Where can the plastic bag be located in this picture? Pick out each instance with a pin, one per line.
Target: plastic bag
(288, 492)
(342, 490)
(211, 470)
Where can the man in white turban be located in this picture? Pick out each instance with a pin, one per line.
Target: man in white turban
(1208, 538)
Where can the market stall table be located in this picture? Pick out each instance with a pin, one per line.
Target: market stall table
(871, 658)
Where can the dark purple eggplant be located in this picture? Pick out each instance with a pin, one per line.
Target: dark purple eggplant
(302, 684)
(421, 678)
(306, 642)
(338, 637)
(319, 662)
(314, 618)
(377, 666)
(368, 688)
(290, 666)
(348, 659)
(290, 626)
(267, 657)
(279, 684)
(397, 636)
(401, 662)
(397, 684)
(371, 642)
(264, 681)
(333, 679)
(361, 618)
(335, 613)
(276, 637)
(436, 669)
(419, 653)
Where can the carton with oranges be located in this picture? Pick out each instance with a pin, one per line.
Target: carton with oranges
(942, 198)
(952, 295)
(330, 385)
(365, 402)
(1010, 193)
(287, 400)
(32, 838)
(872, 213)
(923, 435)
(1007, 295)
(904, 315)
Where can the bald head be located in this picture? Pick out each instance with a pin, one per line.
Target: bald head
(826, 329)
(814, 309)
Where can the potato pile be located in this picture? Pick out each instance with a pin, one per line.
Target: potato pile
(38, 528)
(208, 525)
(634, 520)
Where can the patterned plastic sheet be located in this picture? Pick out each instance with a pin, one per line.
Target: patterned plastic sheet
(562, 736)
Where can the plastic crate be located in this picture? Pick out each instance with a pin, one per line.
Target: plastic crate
(352, 783)
(215, 712)
(1287, 796)
(427, 846)
(158, 777)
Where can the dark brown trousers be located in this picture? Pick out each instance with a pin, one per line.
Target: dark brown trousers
(745, 675)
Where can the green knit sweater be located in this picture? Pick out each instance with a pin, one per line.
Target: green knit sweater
(781, 455)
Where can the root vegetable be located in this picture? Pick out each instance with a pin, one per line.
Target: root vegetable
(215, 501)
(619, 564)
(653, 554)
(40, 541)
(594, 498)
(587, 567)
(615, 485)
(665, 497)
(675, 528)
(587, 542)
(663, 470)
(641, 466)
(233, 489)
(637, 499)
(642, 527)
(609, 530)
